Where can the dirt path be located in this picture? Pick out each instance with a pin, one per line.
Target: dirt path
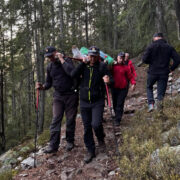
(69, 165)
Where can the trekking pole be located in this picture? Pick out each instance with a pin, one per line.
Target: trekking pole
(111, 109)
(171, 85)
(171, 88)
(36, 128)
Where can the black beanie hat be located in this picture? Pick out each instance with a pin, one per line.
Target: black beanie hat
(121, 54)
(159, 34)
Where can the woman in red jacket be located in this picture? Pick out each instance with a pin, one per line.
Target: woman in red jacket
(121, 75)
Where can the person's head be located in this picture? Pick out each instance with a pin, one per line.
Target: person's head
(50, 52)
(126, 56)
(158, 36)
(93, 53)
(120, 58)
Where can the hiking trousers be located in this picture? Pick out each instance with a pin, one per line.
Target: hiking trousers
(92, 116)
(119, 96)
(161, 87)
(68, 104)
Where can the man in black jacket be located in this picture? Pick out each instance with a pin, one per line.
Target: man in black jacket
(65, 98)
(158, 56)
(94, 75)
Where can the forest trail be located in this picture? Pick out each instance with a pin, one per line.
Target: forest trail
(69, 165)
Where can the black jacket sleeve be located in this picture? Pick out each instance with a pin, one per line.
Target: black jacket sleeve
(77, 72)
(48, 82)
(147, 55)
(68, 66)
(176, 59)
(106, 71)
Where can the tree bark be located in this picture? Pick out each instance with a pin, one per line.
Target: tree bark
(86, 24)
(40, 66)
(2, 102)
(110, 24)
(28, 60)
(177, 8)
(12, 74)
(61, 23)
(2, 129)
(42, 75)
(160, 22)
(115, 39)
(73, 26)
(80, 38)
(53, 22)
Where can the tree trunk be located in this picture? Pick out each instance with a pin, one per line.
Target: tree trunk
(73, 26)
(61, 23)
(40, 70)
(115, 39)
(2, 129)
(42, 76)
(110, 24)
(86, 24)
(80, 38)
(28, 63)
(2, 103)
(160, 22)
(53, 22)
(12, 75)
(177, 8)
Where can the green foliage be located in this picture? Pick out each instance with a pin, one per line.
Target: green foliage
(112, 25)
(178, 48)
(135, 161)
(143, 138)
(44, 137)
(10, 161)
(136, 22)
(7, 175)
(23, 151)
(168, 164)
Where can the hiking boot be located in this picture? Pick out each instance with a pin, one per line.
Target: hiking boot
(69, 146)
(50, 150)
(102, 146)
(89, 156)
(150, 107)
(101, 143)
(117, 123)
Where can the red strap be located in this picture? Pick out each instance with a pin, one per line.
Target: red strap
(37, 98)
(107, 91)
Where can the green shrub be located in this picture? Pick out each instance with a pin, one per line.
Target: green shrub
(143, 137)
(7, 175)
(167, 165)
(135, 158)
(178, 48)
(44, 137)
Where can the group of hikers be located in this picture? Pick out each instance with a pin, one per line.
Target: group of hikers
(87, 82)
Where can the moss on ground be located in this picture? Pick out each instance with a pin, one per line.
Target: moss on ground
(23, 151)
(6, 175)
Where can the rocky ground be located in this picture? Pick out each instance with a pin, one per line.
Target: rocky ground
(69, 165)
